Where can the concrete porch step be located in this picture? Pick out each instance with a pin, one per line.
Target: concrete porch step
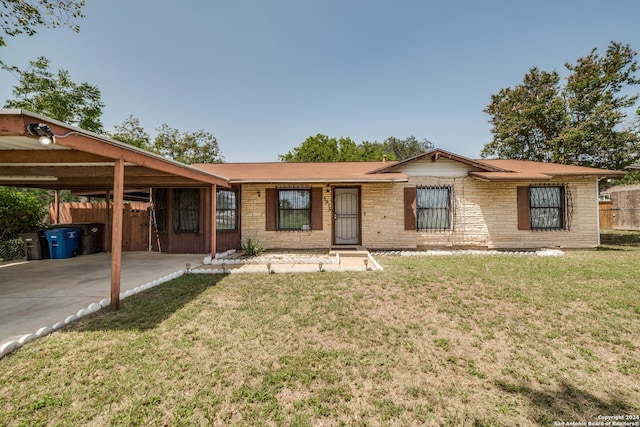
(349, 251)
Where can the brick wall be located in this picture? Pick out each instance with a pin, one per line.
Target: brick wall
(485, 216)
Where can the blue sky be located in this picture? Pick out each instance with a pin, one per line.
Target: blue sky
(262, 76)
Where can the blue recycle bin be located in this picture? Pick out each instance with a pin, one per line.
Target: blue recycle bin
(64, 242)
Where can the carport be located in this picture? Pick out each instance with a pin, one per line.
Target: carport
(36, 294)
(39, 152)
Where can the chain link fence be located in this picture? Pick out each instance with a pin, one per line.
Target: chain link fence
(11, 249)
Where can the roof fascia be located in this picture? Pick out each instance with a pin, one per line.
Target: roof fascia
(86, 141)
(315, 181)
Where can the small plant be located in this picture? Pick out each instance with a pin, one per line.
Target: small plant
(251, 247)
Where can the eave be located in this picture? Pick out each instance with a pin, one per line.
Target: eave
(83, 160)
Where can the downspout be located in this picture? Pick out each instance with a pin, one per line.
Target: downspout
(598, 207)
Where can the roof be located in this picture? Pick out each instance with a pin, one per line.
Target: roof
(527, 170)
(435, 155)
(302, 172)
(83, 160)
(484, 170)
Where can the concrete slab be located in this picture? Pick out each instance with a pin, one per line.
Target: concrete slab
(35, 294)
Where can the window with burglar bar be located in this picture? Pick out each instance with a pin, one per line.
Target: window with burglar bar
(226, 210)
(547, 205)
(186, 210)
(433, 205)
(294, 209)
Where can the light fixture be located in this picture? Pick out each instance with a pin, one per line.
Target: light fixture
(44, 132)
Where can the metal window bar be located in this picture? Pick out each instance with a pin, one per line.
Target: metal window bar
(160, 206)
(187, 210)
(226, 210)
(294, 208)
(550, 207)
(434, 208)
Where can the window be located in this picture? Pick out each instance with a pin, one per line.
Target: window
(159, 212)
(547, 207)
(544, 207)
(433, 205)
(226, 210)
(186, 210)
(294, 209)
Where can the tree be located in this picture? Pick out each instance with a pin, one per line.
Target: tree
(25, 16)
(580, 123)
(321, 148)
(374, 151)
(56, 95)
(406, 148)
(132, 133)
(188, 147)
(20, 211)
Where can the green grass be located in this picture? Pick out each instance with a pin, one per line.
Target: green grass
(460, 340)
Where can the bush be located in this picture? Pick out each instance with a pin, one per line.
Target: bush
(11, 249)
(20, 211)
(251, 247)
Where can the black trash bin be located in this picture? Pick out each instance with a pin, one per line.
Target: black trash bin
(91, 237)
(36, 246)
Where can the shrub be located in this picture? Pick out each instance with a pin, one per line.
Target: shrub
(251, 247)
(20, 211)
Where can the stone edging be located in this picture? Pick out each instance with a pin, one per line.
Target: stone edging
(542, 252)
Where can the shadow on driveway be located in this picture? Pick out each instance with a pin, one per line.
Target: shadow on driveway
(38, 294)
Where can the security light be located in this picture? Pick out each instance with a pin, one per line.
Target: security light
(44, 132)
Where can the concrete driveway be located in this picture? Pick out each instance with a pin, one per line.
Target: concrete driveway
(34, 294)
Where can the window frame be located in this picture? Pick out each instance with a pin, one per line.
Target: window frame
(234, 210)
(183, 207)
(280, 210)
(422, 217)
(538, 209)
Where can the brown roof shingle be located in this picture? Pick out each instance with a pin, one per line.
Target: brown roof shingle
(302, 172)
(523, 170)
(490, 170)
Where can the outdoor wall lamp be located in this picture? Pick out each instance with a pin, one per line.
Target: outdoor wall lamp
(44, 132)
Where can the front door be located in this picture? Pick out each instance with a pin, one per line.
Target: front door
(346, 216)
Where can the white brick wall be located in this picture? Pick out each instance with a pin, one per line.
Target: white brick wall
(485, 216)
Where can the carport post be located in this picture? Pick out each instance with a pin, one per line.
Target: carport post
(116, 232)
(214, 221)
(56, 207)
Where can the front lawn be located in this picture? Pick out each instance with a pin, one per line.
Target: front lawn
(459, 340)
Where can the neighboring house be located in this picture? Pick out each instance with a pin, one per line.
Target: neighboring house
(435, 200)
(625, 207)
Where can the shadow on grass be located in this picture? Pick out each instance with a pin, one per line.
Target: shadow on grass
(620, 238)
(569, 403)
(147, 309)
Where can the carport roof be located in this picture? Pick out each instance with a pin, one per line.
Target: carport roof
(83, 160)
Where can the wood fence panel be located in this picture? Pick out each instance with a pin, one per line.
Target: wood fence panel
(606, 215)
(135, 227)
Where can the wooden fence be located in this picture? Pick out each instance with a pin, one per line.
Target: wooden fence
(606, 215)
(135, 225)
